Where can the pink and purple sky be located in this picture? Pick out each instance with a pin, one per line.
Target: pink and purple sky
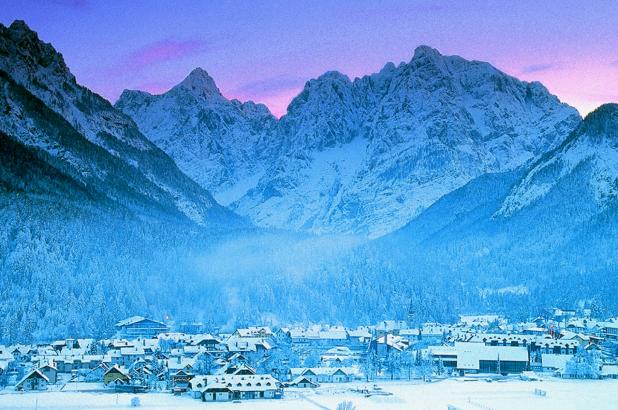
(266, 50)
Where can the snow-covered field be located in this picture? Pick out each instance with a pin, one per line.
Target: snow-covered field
(561, 395)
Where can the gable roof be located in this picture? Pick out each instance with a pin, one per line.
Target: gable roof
(33, 373)
(302, 379)
(117, 369)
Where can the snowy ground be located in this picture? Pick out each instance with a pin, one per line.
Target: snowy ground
(474, 395)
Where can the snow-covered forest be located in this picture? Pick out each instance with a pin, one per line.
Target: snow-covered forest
(492, 195)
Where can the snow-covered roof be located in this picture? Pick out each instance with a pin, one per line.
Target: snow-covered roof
(360, 332)
(333, 334)
(302, 379)
(249, 382)
(609, 370)
(442, 350)
(254, 331)
(136, 319)
(394, 341)
(340, 351)
(175, 364)
(204, 338)
(118, 368)
(470, 354)
(132, 351)
(32, 373)
(555, 361)
(246, 344)
(326, 371)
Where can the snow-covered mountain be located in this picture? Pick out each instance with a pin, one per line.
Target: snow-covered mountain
(549, 228)
(223, 145)
(362, 156)
(584, 167)
(85, 137)
(370, 154)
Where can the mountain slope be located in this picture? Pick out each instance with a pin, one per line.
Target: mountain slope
(88, 134)
(543, 234)
(221, 144)
(362, 156)
(366, 156)
(589, 156)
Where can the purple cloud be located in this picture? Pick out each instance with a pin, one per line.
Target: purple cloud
(614, 63)
(156, 53)
(537, 68)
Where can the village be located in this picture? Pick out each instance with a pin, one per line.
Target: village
(265, 363)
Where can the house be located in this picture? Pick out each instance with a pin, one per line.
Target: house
(307, 373)
(333, 336)
(554, 362)
(34, 380)
(181, 379)
(263, 332)
(302, 382)
(116, 375)
(609, 371)
(180, 363)
(539, 321)
(50, 371)
(387, 343)
(208, 342)
(560, 314)
(325, 374)
(479, 321)
(534, 330)
(247, 344)
(609, 330)
(359, 338)
(139, 326)
(390, 326)
(480, 358)
(339, 354)
(235, 387)
(129, 355)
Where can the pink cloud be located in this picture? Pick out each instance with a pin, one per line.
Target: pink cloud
(156, 53)
(275, 92)
(278, 104)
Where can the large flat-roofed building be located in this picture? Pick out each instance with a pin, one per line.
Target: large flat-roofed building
(480, 358)
(139, 326)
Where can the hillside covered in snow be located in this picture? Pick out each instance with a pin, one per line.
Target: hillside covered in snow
(439, 183)
(362, 156)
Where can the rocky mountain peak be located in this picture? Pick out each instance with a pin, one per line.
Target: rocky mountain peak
(424, 51)
(25, 53)
(200, 82)
(362, 156)
(602, 122)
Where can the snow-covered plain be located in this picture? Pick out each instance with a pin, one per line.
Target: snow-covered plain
(561, 395)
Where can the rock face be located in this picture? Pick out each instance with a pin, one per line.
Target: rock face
(363, 156)
(223, 145)
(85, 137)
(367, 156)
(584, 167)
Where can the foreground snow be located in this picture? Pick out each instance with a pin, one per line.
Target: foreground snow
(561, 395)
